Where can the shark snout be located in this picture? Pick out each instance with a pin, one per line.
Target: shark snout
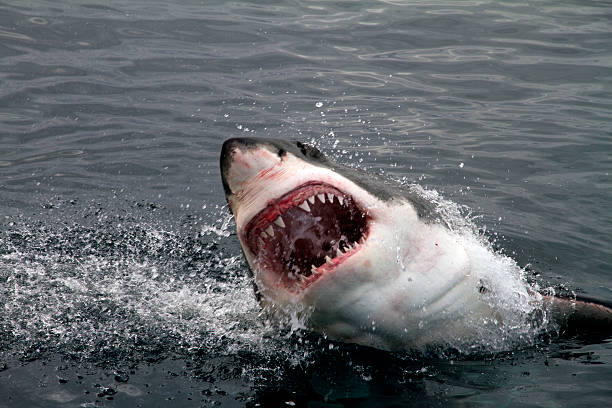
(242, 159)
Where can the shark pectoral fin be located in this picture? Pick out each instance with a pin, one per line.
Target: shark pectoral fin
(581, 316)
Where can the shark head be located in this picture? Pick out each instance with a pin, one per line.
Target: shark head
(297, 219)
(370, 261)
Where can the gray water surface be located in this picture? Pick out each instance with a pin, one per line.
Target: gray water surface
(121, 278)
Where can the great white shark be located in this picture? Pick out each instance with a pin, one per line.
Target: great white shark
(364, 260)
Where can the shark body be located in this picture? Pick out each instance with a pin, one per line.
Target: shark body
(365, 261)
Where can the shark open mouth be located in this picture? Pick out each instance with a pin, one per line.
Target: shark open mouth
(306, 232)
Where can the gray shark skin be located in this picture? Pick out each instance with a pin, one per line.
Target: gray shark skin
(362, 260)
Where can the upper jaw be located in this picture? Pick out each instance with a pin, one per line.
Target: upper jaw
(274, 182)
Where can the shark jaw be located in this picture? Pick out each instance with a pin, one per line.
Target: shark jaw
(306, 233)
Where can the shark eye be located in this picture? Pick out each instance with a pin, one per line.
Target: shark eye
(281, 152)
(309, 151)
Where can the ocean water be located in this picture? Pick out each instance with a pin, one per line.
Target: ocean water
(121, 278)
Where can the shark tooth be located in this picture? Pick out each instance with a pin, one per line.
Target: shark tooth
(328, 259)
(339, 252)
(263, 234)
(341, 199)
(330, 197)
(279, 221)
(304, 206)
(321, 197)
(270, 230)
(311, 199)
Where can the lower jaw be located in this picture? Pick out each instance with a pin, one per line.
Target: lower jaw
(297, 286)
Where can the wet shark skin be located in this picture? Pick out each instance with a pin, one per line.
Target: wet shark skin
(413, 283)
